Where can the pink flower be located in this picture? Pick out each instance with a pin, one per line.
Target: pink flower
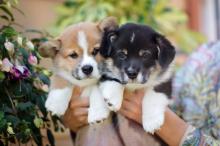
(32, 59)
(19, 72)
(6, 65)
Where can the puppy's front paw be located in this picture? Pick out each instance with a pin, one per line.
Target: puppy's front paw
(113, 94)
(97, 115)
(151, 123)
(113, 103)
(98, 111)
(154, 105)
(58, 101)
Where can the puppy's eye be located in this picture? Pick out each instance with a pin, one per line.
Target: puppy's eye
(95, 51)
(145, 53)
(73, 55)
(122, 55)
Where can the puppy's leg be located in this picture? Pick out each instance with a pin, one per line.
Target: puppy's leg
(98, 111)
(153, 107)
(113, 94)
(58, 100)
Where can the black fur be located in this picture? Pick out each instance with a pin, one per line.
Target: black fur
(159, 49)
(117, 45)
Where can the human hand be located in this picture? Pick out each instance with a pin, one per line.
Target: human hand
(132, 105)
(76, 115)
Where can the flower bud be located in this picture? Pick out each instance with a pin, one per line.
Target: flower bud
(20, 41)
(9, 47)
(6, 65)
(32, 60)
(30, 45)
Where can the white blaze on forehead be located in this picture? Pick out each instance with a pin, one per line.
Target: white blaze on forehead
(132, 37)
(82, 41)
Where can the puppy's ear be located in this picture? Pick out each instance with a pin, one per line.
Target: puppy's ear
(108, 24)
(109, 28)
(50, 48)
(166, 51)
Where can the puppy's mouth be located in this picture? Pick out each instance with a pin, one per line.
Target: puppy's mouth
(140, 78)
(85, 77)
(86, 73)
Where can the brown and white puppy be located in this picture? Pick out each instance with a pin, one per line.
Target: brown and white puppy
(75, 55)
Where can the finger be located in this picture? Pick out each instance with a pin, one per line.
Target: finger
(79, 102)
(136, 93)
(135, 97)
(83, 120)
(80, 112)
(129, 106)
(127, 94)
(127, 114)
(140, 93)
(76, 92)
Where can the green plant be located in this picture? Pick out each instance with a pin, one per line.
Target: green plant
(23, 88)
(159, 14)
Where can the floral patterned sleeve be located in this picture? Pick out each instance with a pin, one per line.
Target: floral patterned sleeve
(195, 137)
(196, 90)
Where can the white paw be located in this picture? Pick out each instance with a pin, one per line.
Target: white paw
(113, 103)
(151, 123)
(113, 94)
(97, 115)
(98, 111)
(58, 101)
(154, 105)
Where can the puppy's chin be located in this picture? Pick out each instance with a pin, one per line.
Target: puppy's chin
(79, 81)
(141, 79)
(84, 77)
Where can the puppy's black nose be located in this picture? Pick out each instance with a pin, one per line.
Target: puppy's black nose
(132, 74)
(87, 69)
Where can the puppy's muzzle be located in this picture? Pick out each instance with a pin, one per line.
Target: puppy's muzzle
(132, 73)
(87, 69)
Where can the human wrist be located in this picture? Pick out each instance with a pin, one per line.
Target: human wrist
(173, 128)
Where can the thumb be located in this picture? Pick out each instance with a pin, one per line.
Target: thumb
(76, 91)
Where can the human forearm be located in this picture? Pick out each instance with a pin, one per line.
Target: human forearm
(173, 129)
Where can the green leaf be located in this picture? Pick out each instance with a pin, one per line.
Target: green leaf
(3, 124)
(1, 115)
(9, 32)
(23, 106)
(13, 119)
(40, 99)
(7, 11)
(10, 130)
(2, 76)
(4, 17)
(44, 78)
(19, 10)
(38, 122)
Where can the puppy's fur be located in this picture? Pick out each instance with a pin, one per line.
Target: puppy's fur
(138, 57)
(76, 59)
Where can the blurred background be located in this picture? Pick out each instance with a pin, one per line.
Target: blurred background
(187, 23)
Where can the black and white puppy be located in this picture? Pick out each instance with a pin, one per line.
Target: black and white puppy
(137, 57)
